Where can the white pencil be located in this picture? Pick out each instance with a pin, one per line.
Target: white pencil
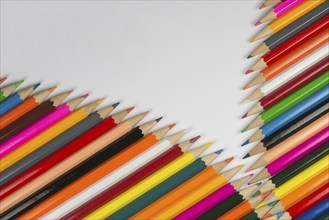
(289, 74)
(114, 177)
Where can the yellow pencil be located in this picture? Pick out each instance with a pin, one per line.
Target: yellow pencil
(147, 184)
(294, 14)
(297, 181)
(48, 135)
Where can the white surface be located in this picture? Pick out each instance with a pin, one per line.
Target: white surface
(181, 59)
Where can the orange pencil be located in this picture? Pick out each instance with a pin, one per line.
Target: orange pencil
(290, 59)
(24, 108)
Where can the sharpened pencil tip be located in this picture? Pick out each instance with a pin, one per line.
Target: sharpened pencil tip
(245, 143)
(244, 130)
(245, 87)
(145, 113)
(172, 125)
(219, 151)
(116, 104)
(262, 6)
(248, 71)
(246, 156)
(158, 119)
(266, 216)
(244, 116)
(19, 83)
(252, 40)
(249, 169)
(250, 56)
(52, 88)
(85, 96)
(228, 160)
(193, 140)
(258, 23)
(208, 144)
(100, 100)
(130, 109)
(36, 86)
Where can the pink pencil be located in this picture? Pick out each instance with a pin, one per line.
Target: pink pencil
(213, 199)
(39, 126)
(294, 155)
(279, 10)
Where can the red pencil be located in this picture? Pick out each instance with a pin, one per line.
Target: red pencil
(130, 180)
(289, 45)
(3, 79)
(63, 153)
(308, 202)
(290, 87)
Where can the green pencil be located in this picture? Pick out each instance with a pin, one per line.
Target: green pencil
(8, 90)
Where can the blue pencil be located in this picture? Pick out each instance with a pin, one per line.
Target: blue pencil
(316, 211)
(16, 99)
(290, 115)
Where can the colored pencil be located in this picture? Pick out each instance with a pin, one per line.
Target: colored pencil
(297, 194)
(197, 194)
(290, 59)
(131, 180)
(174, 187)
(147, 184)
(293, 99)
(24, 107)
(293, 15)
(55, 144)
(3, 79)
(65, 152)
(294, 155)
(212, 199)
(15, 99)
(269, 3)
(309, 202)
(290, 129)
(305, 197)
(298, 180)
(315, 212)
(291, 142)
(47, 135)
(32, 131)
(31, 117)
(279, 10)
(57, 191)
(291, 114)
(299, 39)
(229, 203)
(293, 29)
(104, 175)
(146, 200)
(288, 88)
(9, 89)
(123, 129)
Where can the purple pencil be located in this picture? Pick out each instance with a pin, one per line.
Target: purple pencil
(294, 155)
(213, 199)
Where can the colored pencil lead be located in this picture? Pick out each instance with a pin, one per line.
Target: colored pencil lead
(130, 109)
(245, 143)
(248, 57)
(246, 156)
(158, 119)
(244, 116)
(248, 71)
(19, 83)
(258, 23)
(115, 104)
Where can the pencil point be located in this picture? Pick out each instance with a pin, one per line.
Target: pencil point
(245, 143)
(52, 88)
(246, 156)
(208, 144)
(116, 104)
(158, 119)
(262, 6)
(36, 86)
(244, 116)
(249, 169)
(248, 71)
(252, 40)
(245, 87)
(250, 56)
(145, 113)
(100, 100)
(258, 23)
(130, 109)
(219, 151)
(228, 160)
(85, 96)
(244, 130)
(193, 140)
(171, 126)
(19, 83)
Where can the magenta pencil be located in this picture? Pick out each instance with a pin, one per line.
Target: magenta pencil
(294, 155)
(39, 126)
(210, 201)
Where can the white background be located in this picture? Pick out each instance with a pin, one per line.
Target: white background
(183, 60)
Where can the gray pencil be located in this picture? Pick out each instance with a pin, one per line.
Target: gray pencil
(292, 29)
(55, 144)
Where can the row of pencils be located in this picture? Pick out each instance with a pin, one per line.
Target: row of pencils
(292, 115)
(62, 161)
